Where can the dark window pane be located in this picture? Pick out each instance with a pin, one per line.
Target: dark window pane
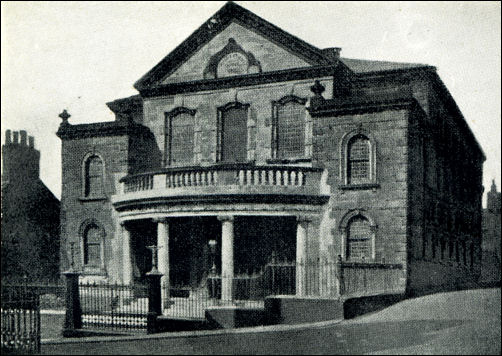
(94, 177)
(92, 245)
(95, 166)
(234, 135)
(359, 239)
(291, 130)
(358, 169)
(182, 138)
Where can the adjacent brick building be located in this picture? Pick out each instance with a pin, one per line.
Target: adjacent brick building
(30, 213)
(249, 137)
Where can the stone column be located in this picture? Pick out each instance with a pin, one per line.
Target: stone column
(301, 255)
(227, 256)
(163, 257)
(127, 277)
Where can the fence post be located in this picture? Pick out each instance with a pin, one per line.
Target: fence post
(339, 275)
(154, 300)
(73, 314)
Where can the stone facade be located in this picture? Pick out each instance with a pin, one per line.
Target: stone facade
(30, 213)
(365, 174)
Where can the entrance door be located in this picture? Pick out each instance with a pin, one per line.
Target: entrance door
(234, 134)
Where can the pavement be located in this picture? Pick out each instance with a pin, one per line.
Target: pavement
(465, 322)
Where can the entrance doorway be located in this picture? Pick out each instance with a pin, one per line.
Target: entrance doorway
(190, 257)
(259, 238)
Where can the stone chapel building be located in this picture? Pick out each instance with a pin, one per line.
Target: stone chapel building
(248, 140)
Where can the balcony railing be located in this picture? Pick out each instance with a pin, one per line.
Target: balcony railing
(214, 176)
(221, 180)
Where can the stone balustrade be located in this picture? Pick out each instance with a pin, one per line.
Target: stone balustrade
(221, 183)
(220, 176)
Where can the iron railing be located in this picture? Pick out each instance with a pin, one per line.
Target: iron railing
(332, 279)
(114, 306)
(20, 310)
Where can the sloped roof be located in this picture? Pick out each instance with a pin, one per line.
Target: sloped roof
(362, 66)
(217, 23)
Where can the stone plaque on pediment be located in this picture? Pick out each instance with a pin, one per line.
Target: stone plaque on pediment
(231, 60)
(235, 63)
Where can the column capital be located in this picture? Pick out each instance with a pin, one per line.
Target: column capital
(162, 220)
(304, 219)
(226, 218)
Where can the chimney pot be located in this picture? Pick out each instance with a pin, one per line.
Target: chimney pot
(23, 137)
(333, 53)
(31, 141)
(8, 137)
(15, 137)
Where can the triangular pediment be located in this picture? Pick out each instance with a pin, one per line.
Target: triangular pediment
(232, 42)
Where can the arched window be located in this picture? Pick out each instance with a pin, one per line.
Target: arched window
(180, 135)
(358, 160)
(92, 245)
(93, 176)
(288, 128)
(359, 239)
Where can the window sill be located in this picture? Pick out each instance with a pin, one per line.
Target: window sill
(288, 160)
(93, 271)
(97, 198)
(365, 186)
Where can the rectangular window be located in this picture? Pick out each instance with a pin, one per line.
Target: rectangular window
(233, 133)
(180, 139)
(290, 123)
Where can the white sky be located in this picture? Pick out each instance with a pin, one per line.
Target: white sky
(80, 55)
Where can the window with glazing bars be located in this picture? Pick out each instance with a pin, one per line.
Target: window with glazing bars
(180, 138)
(289, 127)
(92, 245)
(359, 239)
(358, 170)
(94, 177)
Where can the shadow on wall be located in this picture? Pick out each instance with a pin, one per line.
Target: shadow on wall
(144, 153)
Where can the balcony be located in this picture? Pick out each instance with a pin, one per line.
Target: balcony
(223, 183)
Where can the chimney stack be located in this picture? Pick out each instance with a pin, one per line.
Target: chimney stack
(21, 161)
(332, 53)
(8, 137)
(23, 137)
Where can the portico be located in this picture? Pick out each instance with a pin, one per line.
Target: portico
(255, 237)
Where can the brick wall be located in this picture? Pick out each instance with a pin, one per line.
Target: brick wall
(385, 204)
(75, 208)
(206, 103)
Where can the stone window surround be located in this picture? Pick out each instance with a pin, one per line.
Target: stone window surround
(167, 124)
(275, 125)
(344, 161)
(219, 127)
(91, 269)
(83, 196)
(343, 228)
